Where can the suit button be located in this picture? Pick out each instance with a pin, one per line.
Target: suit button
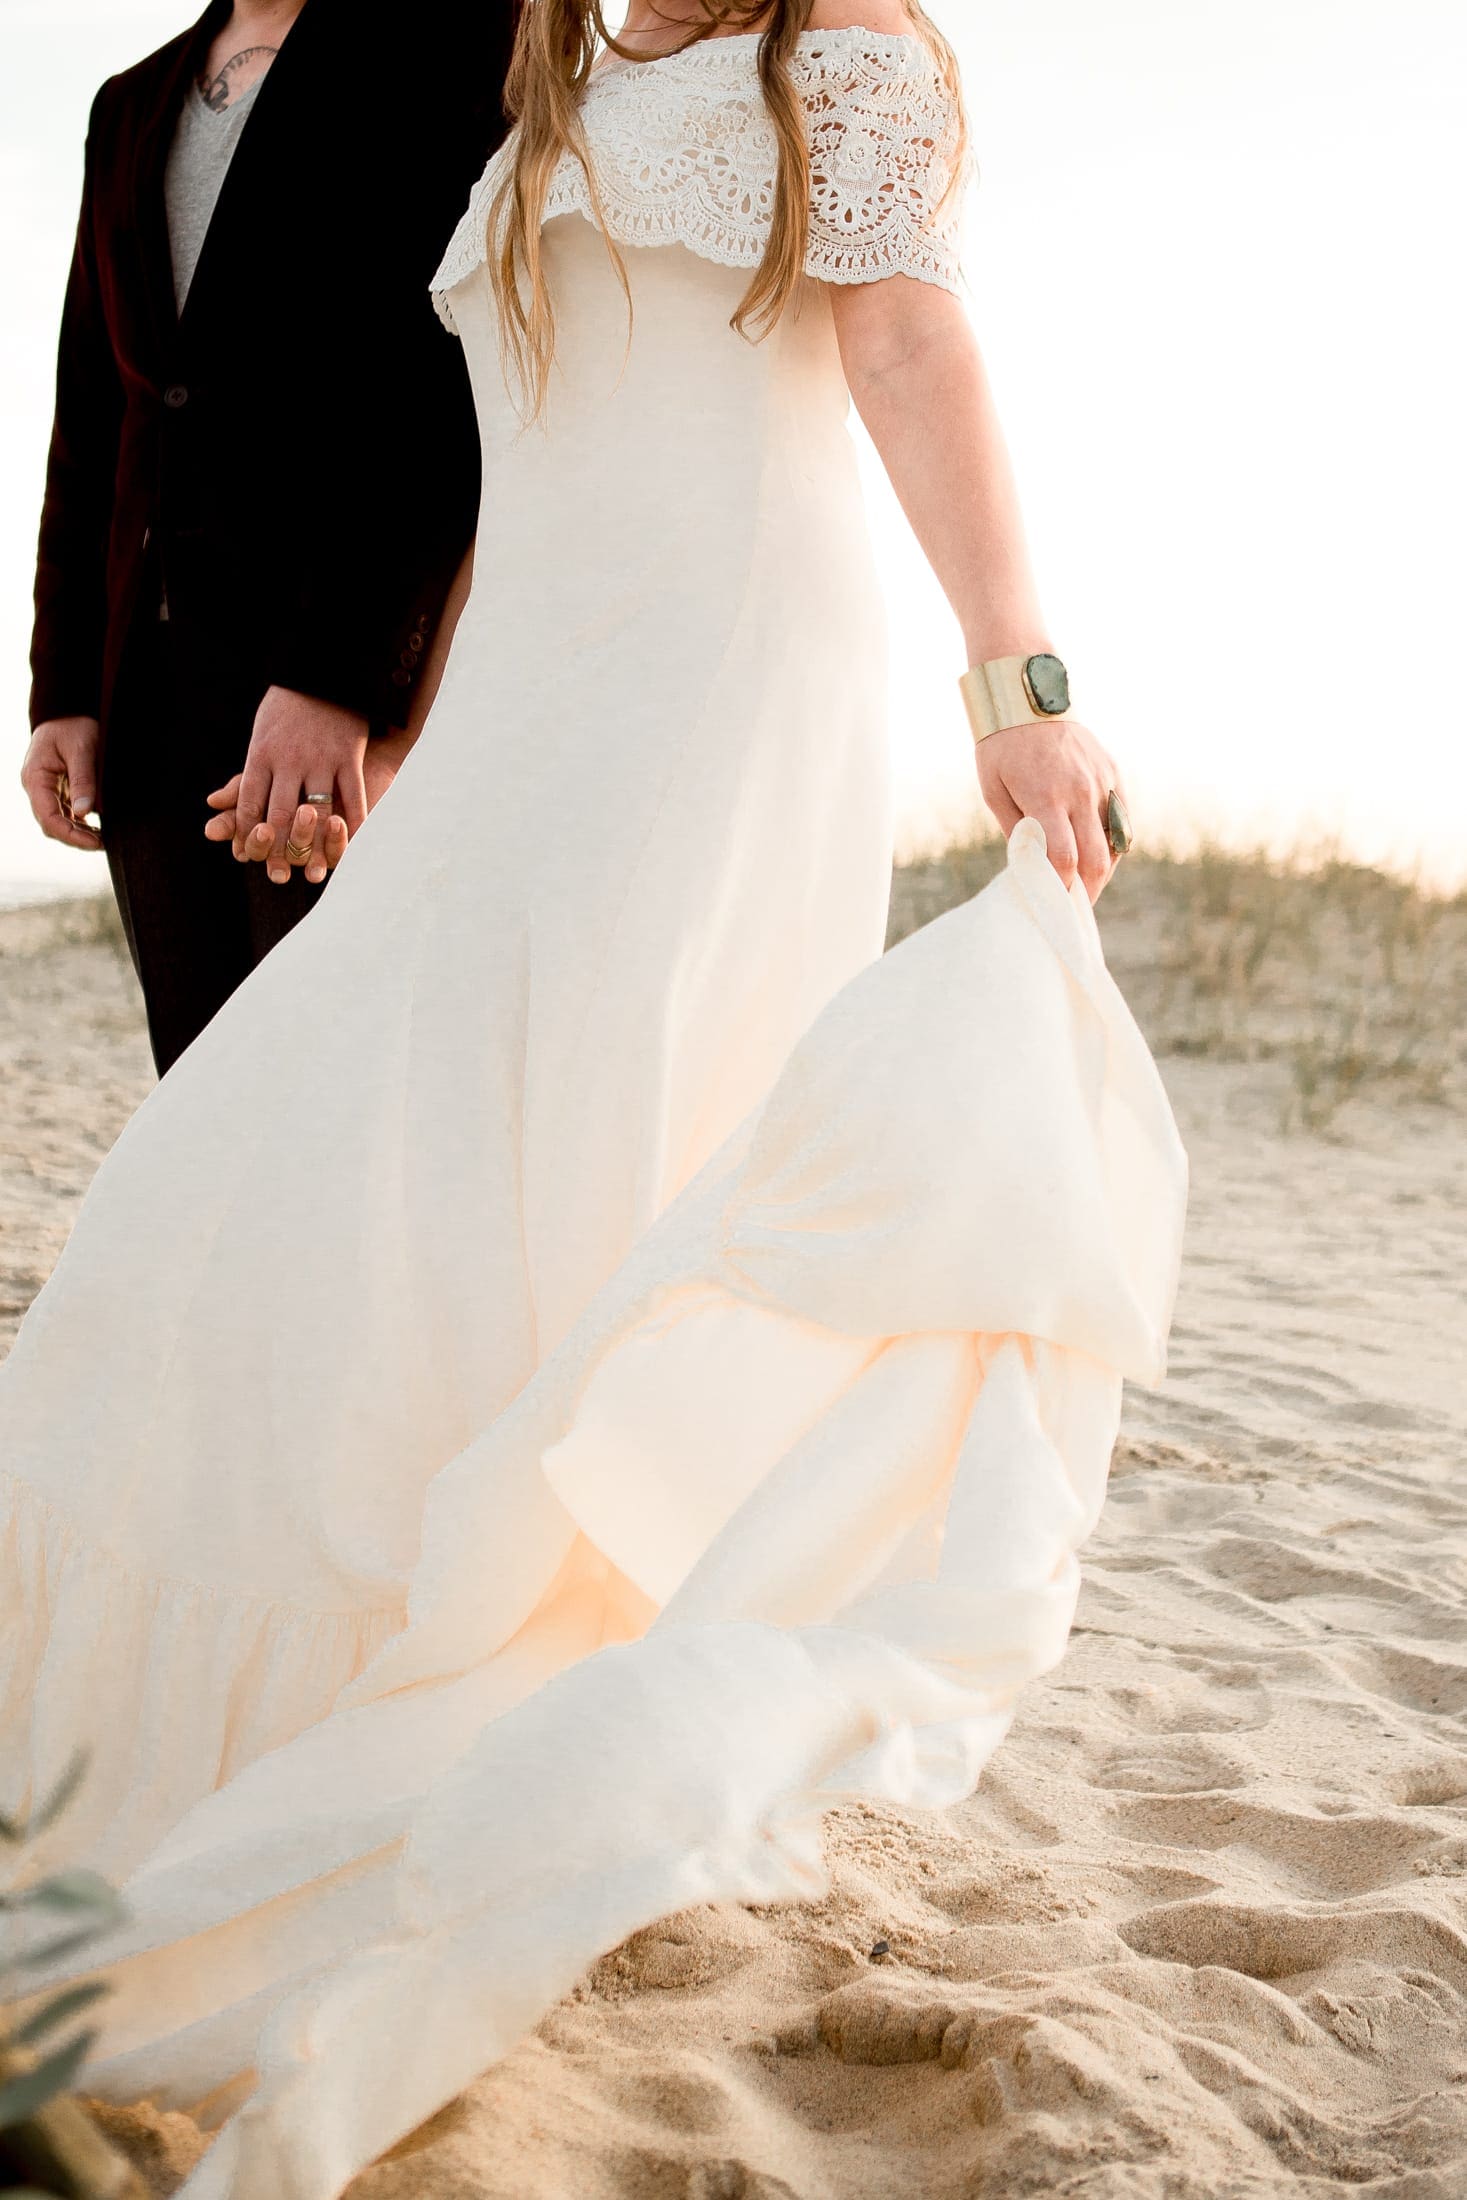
(176, 397)
(401, 678)
(415, 641)
(408, 658)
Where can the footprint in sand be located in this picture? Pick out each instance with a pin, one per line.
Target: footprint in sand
(1335, 1593)
(1174, 1695)
(1161, 1768)
(1410, 1679)
(699, 1947)
(1029, 2071)
(1280, 1943)
(1309, 1854)
(876, 2027)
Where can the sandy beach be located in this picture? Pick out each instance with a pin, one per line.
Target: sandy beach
(1202, 1933)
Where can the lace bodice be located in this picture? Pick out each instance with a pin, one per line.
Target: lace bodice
(684, 153)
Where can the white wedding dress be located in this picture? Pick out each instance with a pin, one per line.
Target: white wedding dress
(584, 1363)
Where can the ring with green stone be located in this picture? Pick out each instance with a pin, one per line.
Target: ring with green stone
(1117, 824)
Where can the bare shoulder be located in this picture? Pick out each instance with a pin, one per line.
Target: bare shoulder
(888, 18)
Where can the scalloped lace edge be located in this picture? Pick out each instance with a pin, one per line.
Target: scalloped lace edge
(667, 212)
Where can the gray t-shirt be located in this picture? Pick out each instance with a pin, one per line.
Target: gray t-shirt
(203, 146)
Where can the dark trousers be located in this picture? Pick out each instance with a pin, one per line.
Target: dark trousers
(196, 921)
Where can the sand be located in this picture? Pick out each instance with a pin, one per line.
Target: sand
(1202, 1933)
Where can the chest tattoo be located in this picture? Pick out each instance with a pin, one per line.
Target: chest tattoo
(218, 91)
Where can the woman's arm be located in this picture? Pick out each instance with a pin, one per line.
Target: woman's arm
(917, 378)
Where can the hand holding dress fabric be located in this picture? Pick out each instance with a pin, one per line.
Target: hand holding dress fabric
(1060, 776)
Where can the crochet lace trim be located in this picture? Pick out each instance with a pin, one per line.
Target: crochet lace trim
(683, 152)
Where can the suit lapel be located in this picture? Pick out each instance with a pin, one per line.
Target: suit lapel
(258, 139)
(149, 212)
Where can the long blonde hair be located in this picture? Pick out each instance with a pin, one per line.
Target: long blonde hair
(556, 47)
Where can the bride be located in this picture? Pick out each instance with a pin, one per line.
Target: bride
(585, 1362)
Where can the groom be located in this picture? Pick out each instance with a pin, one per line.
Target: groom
(264, 470)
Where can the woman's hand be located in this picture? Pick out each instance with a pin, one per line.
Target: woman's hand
(379, 768)
(254, 810)
(1059, 775)
(299, 744)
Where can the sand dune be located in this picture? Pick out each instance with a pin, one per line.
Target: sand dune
(1202, 1934)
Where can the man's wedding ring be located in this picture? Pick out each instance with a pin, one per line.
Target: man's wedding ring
(316, 800)
(1117, 824)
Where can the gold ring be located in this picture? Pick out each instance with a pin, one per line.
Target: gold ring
(1117, 824)
(316, 800)
(296, 852)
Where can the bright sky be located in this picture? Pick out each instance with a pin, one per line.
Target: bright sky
(1215, 263)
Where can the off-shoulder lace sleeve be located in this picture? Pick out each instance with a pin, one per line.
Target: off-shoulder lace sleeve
(887, 164)
(684, 152)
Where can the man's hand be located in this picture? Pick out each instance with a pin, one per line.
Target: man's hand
(59, 776)
(301, 749)
(379, 768)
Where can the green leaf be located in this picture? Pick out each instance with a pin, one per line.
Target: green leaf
(71, 1779)
(59, 2011)
(73, 1890)
(24, 2095)
(51, 1951)
(46, 1814)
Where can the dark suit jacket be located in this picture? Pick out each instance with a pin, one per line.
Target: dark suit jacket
(296, 460)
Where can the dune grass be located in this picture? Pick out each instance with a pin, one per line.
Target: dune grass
(1353, 980)
(82, 920)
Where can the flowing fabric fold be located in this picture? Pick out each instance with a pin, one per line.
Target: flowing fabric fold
(791, 1515)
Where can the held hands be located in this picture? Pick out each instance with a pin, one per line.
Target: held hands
(309, 780)
(59, 776)
(1060, 775)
